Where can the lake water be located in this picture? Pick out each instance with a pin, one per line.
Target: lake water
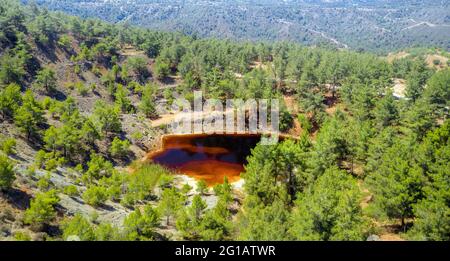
(207, 157)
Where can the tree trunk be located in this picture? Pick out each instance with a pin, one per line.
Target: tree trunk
(403, 224)
(352, 166)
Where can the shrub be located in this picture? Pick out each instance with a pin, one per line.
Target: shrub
(6, 173)
(78, 226)
(119, 148)
(95, 196)
(305, 123)
(139, 66)
(165, 181)
(47, 102)
(93, 87)
(41, 209)
(8, 146)
(98, 167)
(114, 192)
(202, 187)
(53, 163)
(286, 120)
(22, 236)
(64, 41)
(48, 160)
(143, 180)
(137, 135)
(96, 71)
(186, 189)
(107, 232)
(81, 88)
(162, 69)
(44, 183)
(140, 225)
(71, 191)
(77, 69)
(46, 80)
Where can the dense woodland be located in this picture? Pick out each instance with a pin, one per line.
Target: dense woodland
(372, 25)
(364, 162)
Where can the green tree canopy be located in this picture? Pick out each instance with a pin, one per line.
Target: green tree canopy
(329, 210)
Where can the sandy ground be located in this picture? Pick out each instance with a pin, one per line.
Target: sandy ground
(399, 88)
(184, 179)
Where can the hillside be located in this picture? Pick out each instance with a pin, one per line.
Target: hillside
(82, 103)
(379, 25)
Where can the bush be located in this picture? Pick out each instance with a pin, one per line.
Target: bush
(143, 180)
(119, 148)
(147, 104)
(46, 80)
(44, 183)
(286, 120)
(81, 88)
(41, 209)
(6, 173)
(165, 181)
(10, 98)
(114, 191)
(78, 226)
(95, 196)
(140, 226)
(8, 146)
(98, 167)
(71, 191)
(162, 69)
(64, 41)
(305, 123)
(186, 189)
(22, 236)
(93, 87)
(137, 136)
(53, 163)
(139, 66)
(47, 103)
(48, 160)
(202, 187)
(95, 70)
(107, 232)
(77, 69)
(128, 200)
(93, 217)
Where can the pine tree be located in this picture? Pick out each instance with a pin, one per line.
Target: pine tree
(107, 118)
(260, 222)
(29, 116)
(121, 100)
(385, 111)
(397, 184)
(330, 210)
(78, 226)
(11, 69)
(42, 208)
(171, 202)
(10, 99)
(432, 214)
(46, 80)
(147, 105)
(6, 173)
(162, 69)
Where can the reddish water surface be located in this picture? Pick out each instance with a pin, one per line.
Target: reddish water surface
(207, 157)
